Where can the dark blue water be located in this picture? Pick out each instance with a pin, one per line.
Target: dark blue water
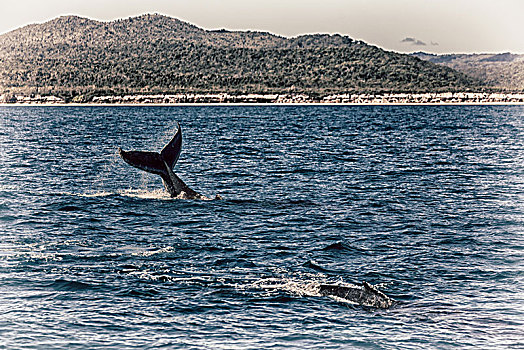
(425, 202)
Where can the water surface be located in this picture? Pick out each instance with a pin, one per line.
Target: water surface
(427, 202)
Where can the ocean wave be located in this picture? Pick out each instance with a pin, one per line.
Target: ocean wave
(68, 285)
(69, 208)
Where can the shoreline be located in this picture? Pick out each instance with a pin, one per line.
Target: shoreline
(238, 104)
(224, 99)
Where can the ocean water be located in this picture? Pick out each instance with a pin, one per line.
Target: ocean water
(425, 202)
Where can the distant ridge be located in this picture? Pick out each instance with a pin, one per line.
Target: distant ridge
(503, 71)
(75, 56)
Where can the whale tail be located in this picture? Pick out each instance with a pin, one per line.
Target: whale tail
(162, 164)
(154, 162)
(171, 151)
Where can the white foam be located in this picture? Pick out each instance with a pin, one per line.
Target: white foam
(133, 193)
(88, 194)
(96, 194)
(299, 288)
(147, 253)
(9, 187)
(145, 194)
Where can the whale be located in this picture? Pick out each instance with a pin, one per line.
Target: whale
(365, 295)
(162, 164)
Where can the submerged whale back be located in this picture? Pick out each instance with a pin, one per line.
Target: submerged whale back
(366, 294)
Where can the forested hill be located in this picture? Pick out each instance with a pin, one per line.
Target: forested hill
(72, 56)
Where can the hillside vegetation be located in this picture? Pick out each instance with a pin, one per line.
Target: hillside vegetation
(503, 71)
(71, 56)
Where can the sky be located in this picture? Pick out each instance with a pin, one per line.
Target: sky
(437, 26)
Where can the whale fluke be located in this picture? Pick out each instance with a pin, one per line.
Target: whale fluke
(171, 152)
(153, 162)
(162, 164)
(148, 161)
